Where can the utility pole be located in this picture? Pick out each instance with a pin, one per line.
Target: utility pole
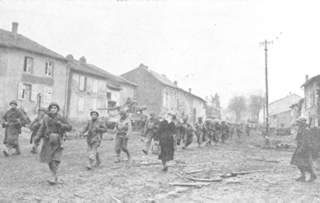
(265, 43)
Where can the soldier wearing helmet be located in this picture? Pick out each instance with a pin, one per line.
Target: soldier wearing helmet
(123, 130)
(52, 131)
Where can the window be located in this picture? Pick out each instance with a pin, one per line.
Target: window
(95, 86)
(101, 103)
(25, 91)
(28, 64)
(81, 104)
(109, 95)
(49, 68)
(89, 85)
(111, 104)
(82, 83)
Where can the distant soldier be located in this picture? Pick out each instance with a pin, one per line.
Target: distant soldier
(52, 131)
(25, 116)
(166, 137)
(94, 129)
(208, 132)
(248, 129)
(216, 131)
(178, 133)
(187, 133)
(13, 121)
(150, 130)
(238, 129)
(199, 127)
(123, 130)
(224, 129)
(34, 127)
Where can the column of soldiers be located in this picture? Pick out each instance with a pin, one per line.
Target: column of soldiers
(50, 128)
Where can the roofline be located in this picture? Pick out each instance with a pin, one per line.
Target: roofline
(177, 88)
(309, 81)
(91, 74)
(34, 52)
(98, 75)
(128, 82)
(284, 98)
(185, 91)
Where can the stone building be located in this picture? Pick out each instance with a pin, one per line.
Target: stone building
(312, 100)
(92, 88)
(280, 112)
(36, 76)
(30, 73)
(161, 96)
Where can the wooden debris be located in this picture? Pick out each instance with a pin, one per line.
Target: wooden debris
(78, 195)
(186, 177)
(195, 171)
(264, 160)
(205, 179)
(147, 164)
(248, 172)
(197, 185)
(116, 199)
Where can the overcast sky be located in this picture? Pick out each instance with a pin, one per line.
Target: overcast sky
(210, 46)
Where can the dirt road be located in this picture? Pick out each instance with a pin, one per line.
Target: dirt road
(23, 178)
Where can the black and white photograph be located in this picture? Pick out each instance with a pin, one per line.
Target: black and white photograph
(155, 101)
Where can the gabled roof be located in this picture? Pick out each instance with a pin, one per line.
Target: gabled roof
(96, 71)
(164, 80)
(283, 105)
(311, 80)
(15, 40)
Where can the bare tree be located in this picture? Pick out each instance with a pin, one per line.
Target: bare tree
(238, 106)
(213, 108)
(256, 103)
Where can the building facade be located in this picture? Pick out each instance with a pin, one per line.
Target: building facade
(36, 76)
(92, 88)
(280, 111)
(30, 73)
(311, 105)
(161, 96)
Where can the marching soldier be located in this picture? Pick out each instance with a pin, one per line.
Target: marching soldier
(150, 130)
(13, 121)
(216, 128)
(34, 127)
(166, 138)
(52, 131)
(199, 126)
(224, 131)
(302, 157)
(187, 133)
(94, 129)
(123, 130)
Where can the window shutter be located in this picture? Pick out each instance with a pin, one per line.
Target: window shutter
(81, 104)
(34, 92)
(20, 90)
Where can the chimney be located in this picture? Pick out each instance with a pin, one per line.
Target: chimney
(83, 60)
(307, 77)
(69, 57)
(143, 66)
(175, 83)
(14, 28)
(189, 90)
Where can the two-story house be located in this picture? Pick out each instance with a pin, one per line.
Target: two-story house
(312, 100)
(280, 111)
(162, 96)
(30, 73)
(92, 88)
